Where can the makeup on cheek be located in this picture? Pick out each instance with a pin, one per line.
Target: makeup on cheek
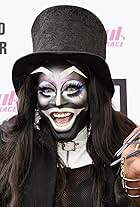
(62, 116)
(56, 91)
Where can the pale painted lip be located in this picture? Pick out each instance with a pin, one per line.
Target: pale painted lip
(61, 114)
(62, 110)
(58, 117)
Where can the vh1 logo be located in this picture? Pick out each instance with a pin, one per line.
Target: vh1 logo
(115, 37)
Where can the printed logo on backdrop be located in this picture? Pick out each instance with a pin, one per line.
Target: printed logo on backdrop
(3, 44)
(115, 37)
(8, 101)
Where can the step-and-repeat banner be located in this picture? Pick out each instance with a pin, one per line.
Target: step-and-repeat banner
(121, 20)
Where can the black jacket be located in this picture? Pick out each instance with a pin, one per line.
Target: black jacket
(39, 188)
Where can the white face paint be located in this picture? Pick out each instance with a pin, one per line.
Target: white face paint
(62, 96)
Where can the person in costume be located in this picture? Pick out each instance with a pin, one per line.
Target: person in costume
(58, 151)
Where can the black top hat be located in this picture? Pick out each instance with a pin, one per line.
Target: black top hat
(66, 32)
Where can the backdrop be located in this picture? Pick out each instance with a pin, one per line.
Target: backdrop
(121, 20)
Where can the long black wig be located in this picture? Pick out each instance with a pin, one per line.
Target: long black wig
(108, 130)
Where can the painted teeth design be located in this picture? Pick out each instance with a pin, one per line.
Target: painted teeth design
(61, 115)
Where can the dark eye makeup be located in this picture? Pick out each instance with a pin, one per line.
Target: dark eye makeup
(73, 89)
(45, 91)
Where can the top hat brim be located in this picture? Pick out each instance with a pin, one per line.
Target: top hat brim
(27, 64)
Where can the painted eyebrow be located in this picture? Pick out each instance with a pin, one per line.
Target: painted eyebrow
(64, 73)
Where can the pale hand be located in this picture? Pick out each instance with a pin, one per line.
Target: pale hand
(131, 167)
